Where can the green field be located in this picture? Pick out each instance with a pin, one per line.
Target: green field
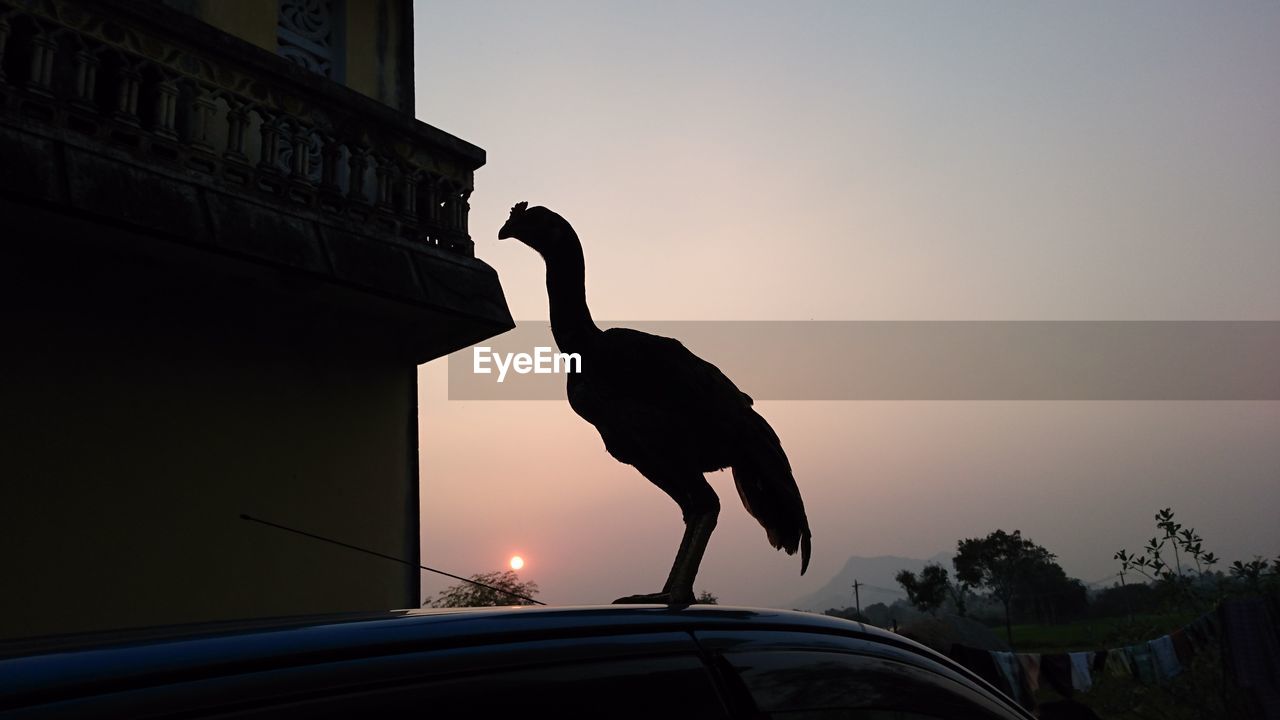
(1099, 634)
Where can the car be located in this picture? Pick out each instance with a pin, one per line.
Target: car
(702, 661)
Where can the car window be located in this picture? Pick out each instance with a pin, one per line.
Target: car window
(822, 685)
(650, 687)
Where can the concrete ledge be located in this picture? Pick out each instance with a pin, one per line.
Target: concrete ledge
(447, 299)
(29, 165)
(259, 231)
(110, 188)
(368, 263)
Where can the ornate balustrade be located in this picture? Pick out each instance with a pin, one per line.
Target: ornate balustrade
(173, 93)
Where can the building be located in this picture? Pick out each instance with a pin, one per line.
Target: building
(225, 246)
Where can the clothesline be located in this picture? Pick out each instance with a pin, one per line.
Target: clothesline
(1245, 627)
(1020, 674)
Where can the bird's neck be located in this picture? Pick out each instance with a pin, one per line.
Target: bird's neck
(571, 322)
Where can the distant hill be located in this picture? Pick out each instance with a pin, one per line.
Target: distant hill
(876, 575)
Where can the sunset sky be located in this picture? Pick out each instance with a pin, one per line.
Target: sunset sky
(865, 161)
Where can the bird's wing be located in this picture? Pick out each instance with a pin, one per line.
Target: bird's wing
(661, 374)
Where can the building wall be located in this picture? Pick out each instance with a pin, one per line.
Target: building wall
(379, 59)
(184, 339)
(376, 38)
(141, 419)
(252, 20)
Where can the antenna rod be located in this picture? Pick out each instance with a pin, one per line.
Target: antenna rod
(375, 553)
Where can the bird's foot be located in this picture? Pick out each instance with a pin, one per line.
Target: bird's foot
(662, 598)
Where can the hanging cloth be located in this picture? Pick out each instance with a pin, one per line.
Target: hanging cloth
(1119, 663)
(1011, 670)
(1166, 659)
(1081, 679)
(979, 661)
(1031, 669)
(1182, 647)
(1200, 633)
(1055, 671)
(1252, 651)
(1099, 661)
(1144, 664)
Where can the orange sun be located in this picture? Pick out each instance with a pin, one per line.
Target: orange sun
(517, 562)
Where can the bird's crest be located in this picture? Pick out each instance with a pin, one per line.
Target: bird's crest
(519, 208)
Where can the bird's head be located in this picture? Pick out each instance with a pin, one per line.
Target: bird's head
(539, 228)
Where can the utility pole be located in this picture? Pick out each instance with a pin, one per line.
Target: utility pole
(857, 603)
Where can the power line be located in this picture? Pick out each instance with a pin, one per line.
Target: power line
(895, 591)
(375, 553)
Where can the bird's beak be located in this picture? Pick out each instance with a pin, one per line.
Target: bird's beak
(505, 232)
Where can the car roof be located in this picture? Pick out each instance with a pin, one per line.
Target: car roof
(45, 667)
(445, 626)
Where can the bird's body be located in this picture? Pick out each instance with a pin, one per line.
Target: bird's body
(665, 411)
(652, 399)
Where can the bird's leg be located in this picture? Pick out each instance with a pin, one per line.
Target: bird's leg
(685, 540)
(700, 507)
(697, 534)
(679, 587)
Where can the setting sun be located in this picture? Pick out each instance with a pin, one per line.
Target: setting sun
(517, 562)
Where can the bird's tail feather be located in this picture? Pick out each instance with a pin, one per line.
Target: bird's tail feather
(767, 488)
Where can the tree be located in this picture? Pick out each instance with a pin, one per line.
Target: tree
(848, 613)
(706, 598)
(1048, 593)
(1181, 586)
(1001, 562)
(1124, 600)
(927, 592)
(1254, 573)
(878, 614)
(507, 592)
(959, 591)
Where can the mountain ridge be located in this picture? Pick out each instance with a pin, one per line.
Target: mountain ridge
(875, 576)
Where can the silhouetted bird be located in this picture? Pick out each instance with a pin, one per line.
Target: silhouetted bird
(664, 410)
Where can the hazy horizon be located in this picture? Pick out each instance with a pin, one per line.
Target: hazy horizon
(865, 161)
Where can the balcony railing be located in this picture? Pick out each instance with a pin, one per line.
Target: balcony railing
(170, 90)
